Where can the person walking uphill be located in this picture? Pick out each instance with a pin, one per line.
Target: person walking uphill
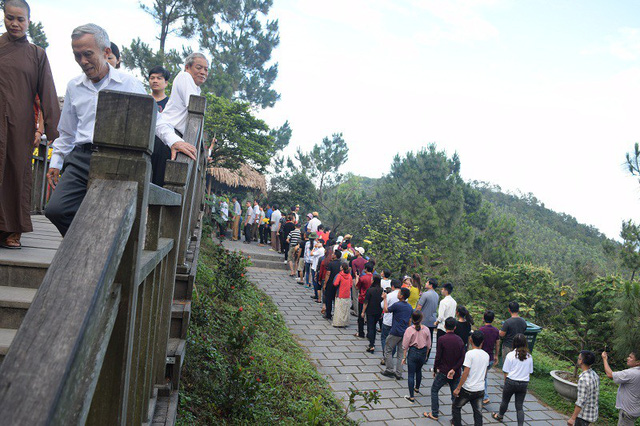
(471, 385)
(343, 300)
(446, 367)
(416, 342)
(24, 74)
(401, 311)
(511, 327)
(333, 269)
(446, 309)
(428, 304)
(373, 310)
(628, 397)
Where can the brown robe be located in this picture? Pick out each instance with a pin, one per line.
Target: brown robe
(24, 73)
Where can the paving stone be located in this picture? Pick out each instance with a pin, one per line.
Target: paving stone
(377, 415)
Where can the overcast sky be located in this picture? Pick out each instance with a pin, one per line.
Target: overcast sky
(537, 96)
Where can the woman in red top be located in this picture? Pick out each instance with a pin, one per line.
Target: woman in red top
(343, 299)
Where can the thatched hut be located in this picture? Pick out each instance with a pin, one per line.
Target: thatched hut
(244, 179)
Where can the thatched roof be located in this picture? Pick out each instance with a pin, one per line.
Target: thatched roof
(246, 176)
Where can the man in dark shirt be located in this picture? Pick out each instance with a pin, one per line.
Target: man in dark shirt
(401, 311)
(158, 79)
(446, 367)
(328, 288)
(511, 327)
(490, 346)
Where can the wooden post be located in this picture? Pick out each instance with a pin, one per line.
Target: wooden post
(124, 135)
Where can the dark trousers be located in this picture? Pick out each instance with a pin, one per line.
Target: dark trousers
(475, 398)
(247, 232)
(71, 189)
(438, 382)
(222, 227)
(415, 360)
(329, 296)
(440, 333)
(519, 389)
(360, 321)
(372, 321)
(264, 234)
(161, 153)
(285, 247)
(431, 331)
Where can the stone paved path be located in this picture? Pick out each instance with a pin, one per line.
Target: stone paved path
(341, 359)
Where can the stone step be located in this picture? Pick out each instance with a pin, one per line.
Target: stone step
(6, 337)
(269, 264)
(14, 303)
(272, 256)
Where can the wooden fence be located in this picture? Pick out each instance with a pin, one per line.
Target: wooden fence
(100, 343)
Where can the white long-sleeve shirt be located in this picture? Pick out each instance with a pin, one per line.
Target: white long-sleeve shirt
(316, 254)
(446, 309)
(78, 117)
(177, 109)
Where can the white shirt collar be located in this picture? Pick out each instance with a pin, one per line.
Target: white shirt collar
(113, 74)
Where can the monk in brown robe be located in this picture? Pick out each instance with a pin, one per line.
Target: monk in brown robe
(24, 73)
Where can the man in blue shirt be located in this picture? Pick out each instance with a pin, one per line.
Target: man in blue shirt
(401, 311)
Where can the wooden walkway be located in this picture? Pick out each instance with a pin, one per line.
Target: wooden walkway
(21, 272)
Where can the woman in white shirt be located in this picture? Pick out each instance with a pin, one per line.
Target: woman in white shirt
(518, 366)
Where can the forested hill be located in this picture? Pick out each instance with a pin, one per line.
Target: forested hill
(557, 240)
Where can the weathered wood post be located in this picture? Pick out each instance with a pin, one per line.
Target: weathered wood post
(124, 137)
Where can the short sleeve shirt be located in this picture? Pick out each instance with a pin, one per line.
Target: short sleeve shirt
(628, 398)
(401, 316)
(477, 361)
(513, 326)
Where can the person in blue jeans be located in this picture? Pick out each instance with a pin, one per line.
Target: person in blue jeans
(446, 367)
(416, 343)
(387, 318)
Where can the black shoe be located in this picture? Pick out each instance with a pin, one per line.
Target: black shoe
(382, 362)
(370, 350)
(398, 376)
(388, 374)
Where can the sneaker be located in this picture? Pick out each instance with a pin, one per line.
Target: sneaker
(398, 376)
(411, 400)
(416, 390)
(388, 373)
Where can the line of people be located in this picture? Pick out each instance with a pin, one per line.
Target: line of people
(26, 79)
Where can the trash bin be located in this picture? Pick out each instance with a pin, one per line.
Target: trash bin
(531, 333)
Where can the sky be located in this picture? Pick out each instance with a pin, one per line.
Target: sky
(535, 96)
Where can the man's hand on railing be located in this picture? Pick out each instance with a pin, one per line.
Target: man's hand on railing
(185, 148)
(52, 176)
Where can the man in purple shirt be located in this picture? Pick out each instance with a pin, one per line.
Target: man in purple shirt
(490, 346)
(446, 368)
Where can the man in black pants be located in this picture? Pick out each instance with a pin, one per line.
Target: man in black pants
(329, 289)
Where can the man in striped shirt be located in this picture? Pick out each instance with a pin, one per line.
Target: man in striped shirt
(293, 239)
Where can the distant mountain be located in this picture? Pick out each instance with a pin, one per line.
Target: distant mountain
(573, 251)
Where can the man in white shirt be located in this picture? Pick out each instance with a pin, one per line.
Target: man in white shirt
(387, 318)
(446, 309)
(471, 386)
(237, 216)
(224, 214)
(313, 224)
(275, 224)
(256, 220)
(72, 150)
(186, 83)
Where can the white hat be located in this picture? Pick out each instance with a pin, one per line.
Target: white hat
(340, 239)
(360, 250)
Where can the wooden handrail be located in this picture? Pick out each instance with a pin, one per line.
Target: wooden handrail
(92, 348)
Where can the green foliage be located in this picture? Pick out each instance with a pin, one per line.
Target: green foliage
(292, 188)
(630, 253)
(633, 160)
(37, 35)
(242, 137)
(626, 330)
(141, 57)
(243, 366)
(324, 161)
(240, 39)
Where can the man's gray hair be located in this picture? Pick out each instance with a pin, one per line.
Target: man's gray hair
(192, 58)
(100, 35)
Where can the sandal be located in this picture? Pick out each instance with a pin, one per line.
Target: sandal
(497, 416)
(12, 241)
(486, 401)
(430, 415)
(416, 390)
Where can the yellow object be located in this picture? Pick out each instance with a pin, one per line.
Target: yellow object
(413, 296)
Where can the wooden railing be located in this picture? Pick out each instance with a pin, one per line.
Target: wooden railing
(93, 346)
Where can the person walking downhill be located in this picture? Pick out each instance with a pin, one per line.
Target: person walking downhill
(343, 300)
(416, 342)
(446, 309)
(490, 346)
(372, 309)
(586, 406)
(428, 304)
(518, 366)
(401, 311)
(471, 386)
(628, 396)
(446, 367)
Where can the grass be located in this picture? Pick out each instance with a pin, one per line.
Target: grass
(243, 365)
(541, 385)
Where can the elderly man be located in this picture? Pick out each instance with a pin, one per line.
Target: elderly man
(72, 150)
(186, 83)
(24, 74)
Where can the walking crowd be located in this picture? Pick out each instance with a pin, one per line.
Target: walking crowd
(410, 317)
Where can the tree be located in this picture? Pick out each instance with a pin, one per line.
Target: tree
(241, 137)
(167, 14)
(630, 253)
(633, 160)
(240, 39)
(324, 162)
(626, 330)
(37, 35)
